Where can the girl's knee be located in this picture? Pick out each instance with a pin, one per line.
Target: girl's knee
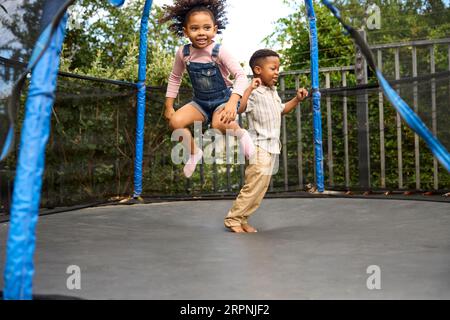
(176, 123)
(223, 127)
(218, 125)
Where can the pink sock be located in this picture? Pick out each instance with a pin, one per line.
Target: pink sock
(247, 144)
(190, 165)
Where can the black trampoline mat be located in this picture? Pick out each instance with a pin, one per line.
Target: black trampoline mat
(305, 249)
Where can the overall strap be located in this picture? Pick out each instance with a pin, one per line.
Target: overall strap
(186, 51)
(215, 52)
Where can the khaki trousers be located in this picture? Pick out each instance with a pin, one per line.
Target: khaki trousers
(257, 179)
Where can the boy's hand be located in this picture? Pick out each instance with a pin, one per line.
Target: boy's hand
(302, 93)
(256, 82)
(228, 114)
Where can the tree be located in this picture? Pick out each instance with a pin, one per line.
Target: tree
(103, 41)
(401, 20)
(292, 34)
(21, 25)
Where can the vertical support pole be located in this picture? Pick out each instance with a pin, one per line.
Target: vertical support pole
(283, 127)
(329, 133)
(271, 184)
(198, 133)
(399, 125)
(362, 111)
(214, 165)
(241, 159)
(317, 116)
(140, 116)
(299, 139)
(345, 107)
(229, 158)
(188, 186)
(434, 115)
(448, 56)
(381, 126)
(19, 267)
(416, 110)
(5, 194)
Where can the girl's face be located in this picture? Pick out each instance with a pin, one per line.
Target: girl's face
(200, 29)
(268, 71)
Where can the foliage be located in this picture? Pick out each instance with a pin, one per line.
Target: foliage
(103, 41)
(23, 26)
(292, 34)
(400, 21)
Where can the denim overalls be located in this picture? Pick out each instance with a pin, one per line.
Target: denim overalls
(210, 90)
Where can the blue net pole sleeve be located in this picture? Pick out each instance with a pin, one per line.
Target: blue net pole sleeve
(140, 117)
(317, 115)
(19, 268)
(117, 3)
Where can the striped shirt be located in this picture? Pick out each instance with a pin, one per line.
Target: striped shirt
(263, 112)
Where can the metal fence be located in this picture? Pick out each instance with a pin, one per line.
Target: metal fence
(366, 128)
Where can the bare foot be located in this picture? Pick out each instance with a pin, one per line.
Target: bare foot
(248, 228)
(237, 229)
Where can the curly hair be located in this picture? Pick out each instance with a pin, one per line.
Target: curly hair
(179, 13)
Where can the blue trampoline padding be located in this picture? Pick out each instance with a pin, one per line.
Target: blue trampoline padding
(117, 3)
(140, 117)
(407, 114)
(19, 268)
(317, 115)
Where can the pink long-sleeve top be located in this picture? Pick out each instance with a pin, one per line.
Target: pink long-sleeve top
(228, 65)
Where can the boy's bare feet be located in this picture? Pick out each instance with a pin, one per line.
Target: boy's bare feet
(248, 228)
(237, 229)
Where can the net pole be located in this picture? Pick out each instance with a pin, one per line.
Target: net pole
(317, 116)
(19, 267)
(141, 87)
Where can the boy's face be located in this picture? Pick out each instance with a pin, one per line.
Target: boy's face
(268, 71)
(200, 29)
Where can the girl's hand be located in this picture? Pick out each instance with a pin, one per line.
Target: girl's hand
(169, 112)
(228, 113)
(302, 93)
(256, 82)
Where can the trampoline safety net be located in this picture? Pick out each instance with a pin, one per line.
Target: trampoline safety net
(90, 152)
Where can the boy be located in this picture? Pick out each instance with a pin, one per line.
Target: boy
(263, 108)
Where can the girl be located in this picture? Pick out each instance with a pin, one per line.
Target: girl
(209, 66)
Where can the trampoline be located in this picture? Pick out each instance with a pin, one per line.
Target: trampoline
(307, 248)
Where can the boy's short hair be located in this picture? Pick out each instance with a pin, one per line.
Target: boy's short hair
(259, 55)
